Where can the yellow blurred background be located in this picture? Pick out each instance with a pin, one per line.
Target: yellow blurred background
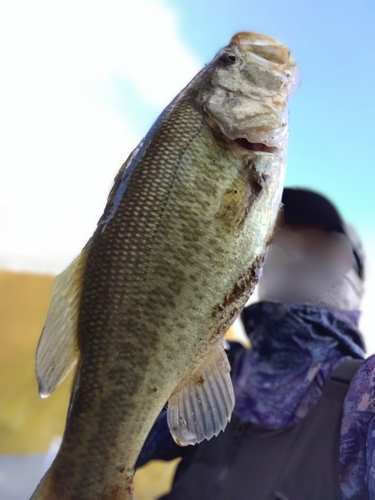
(28, 423)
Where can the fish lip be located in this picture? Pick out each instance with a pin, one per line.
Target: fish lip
(256, 147)
(241, 143)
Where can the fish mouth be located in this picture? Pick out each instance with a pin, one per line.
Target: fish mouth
(257, 147)
(242, 144)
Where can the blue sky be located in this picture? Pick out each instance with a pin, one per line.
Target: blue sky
(332, 142)
(82, 82)
(333, 112)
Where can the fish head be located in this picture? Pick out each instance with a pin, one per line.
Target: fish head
(248, 85)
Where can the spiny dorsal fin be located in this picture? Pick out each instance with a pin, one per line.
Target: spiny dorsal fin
(203, 406)
(57, 350)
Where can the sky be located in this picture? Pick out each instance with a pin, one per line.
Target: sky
(82, 82)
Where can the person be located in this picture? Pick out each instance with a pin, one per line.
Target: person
(303, 426)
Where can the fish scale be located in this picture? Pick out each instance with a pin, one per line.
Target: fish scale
(172, 262)
(139, 235)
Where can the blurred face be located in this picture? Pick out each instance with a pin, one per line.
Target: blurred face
(303, 261)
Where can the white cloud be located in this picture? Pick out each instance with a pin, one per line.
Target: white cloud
(60, 147)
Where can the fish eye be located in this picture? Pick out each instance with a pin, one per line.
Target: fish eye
(228, 58)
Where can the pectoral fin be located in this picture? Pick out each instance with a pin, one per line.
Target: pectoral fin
(57, 350)
(203, 406)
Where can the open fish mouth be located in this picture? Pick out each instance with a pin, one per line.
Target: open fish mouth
(258, 147)
(242, 143)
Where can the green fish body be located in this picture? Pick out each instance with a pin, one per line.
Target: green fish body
(176, 255)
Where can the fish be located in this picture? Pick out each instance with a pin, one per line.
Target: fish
(142, 312)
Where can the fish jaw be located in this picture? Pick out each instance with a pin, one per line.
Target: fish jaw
(252, 82)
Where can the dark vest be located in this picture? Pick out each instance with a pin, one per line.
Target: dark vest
(248, 462)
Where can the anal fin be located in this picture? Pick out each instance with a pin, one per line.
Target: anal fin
(203, 406)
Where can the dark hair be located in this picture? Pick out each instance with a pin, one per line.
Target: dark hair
(303, 206)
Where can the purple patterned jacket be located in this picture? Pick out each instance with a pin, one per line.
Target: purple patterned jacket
(298, 347)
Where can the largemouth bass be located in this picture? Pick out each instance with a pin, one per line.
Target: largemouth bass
(145, 307)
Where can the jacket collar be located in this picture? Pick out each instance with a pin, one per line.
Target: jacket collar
(295, 348)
